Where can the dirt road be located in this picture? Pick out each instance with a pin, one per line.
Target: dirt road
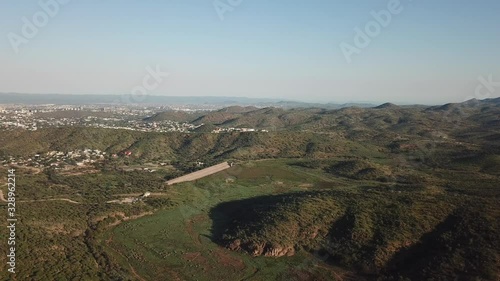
(53, 199)
(200, 174)
(2, 198)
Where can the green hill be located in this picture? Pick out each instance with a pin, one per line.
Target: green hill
(391, 235)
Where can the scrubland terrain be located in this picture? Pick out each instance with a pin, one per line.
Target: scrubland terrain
(386, 193)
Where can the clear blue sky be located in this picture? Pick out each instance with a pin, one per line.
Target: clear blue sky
(431, 52)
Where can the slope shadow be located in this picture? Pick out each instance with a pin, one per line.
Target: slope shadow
(229, 217)
(462, 247)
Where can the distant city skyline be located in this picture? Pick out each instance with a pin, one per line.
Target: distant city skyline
(405, 52)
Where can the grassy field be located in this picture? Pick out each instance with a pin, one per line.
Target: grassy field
(442, 221)
(177, 244)
(372, 225)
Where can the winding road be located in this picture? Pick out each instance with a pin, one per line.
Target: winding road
(2, 199)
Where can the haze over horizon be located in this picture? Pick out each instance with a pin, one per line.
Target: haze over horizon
(429, 52)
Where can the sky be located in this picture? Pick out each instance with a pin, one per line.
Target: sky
(414, 51)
